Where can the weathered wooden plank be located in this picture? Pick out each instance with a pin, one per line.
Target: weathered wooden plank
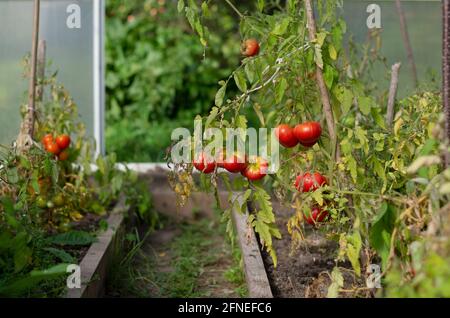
(94, 265)
(255, 272)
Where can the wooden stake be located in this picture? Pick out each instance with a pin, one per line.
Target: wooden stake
(446, 71)
(311, 23)
(406, 41)
(392, 94)
(25, 138)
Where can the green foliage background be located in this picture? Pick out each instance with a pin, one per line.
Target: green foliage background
(158, 75)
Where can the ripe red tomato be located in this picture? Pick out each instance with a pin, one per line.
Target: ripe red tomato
(204, 164)
(235, 163)
(47, 139)
(63, 156)
(257, 170)
(308, 133)
(63, 141)
(316, 215)
(250, 47)
(53, 148)
(285, 135)
(308, 182)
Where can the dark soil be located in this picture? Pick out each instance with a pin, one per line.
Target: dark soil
(302, 272)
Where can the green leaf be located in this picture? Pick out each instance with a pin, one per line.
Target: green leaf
(249, 71)
(280, 89)
(317, 196)
(346, 101)
(318, 56)
(72, 238)
(257, 109)
(381, 230)
(353, 249)
(365, 104)
(337, 282)
(329, 73)
(240, 81)
(220, 95)
(352, 167)
(260, 5)
(180, 6)
(332, 51)
(282, 26)
(211, 117)
(320, 38)
(61, 255)
(21, 285)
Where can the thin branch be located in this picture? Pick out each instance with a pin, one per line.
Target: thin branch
(234, 8)
(40, 72)
(392, 94)
(406, 41)
(321, 83)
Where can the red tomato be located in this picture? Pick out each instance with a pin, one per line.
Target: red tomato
(257, 170)
(63, 156)
(308, 133)
(316, 215)
(250, 47)
(308, 182)
(285, 135)
(53, 148)
(63, 141)
(47, 139)
(204, 164)
(235, 163)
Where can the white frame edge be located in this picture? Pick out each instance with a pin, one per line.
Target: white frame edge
(99, 74)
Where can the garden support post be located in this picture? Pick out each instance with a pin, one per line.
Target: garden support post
(446, 72)
(406, 41)
(311, 24)
(25, 138)
(392, 94)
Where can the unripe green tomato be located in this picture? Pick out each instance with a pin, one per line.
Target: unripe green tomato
(50, 205)
(58, 200)
(41, 202)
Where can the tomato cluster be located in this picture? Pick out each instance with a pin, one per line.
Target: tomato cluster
(57, 146)
(307, 134)
(311, 182)
(254, 169)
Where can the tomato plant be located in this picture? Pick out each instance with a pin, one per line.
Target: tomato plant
(380, 182)
(43, 198)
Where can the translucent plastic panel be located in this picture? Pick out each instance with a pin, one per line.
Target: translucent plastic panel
(69, 49)
(424, 25)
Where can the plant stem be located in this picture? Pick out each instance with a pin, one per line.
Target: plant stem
(325, 97)
(234, 8)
